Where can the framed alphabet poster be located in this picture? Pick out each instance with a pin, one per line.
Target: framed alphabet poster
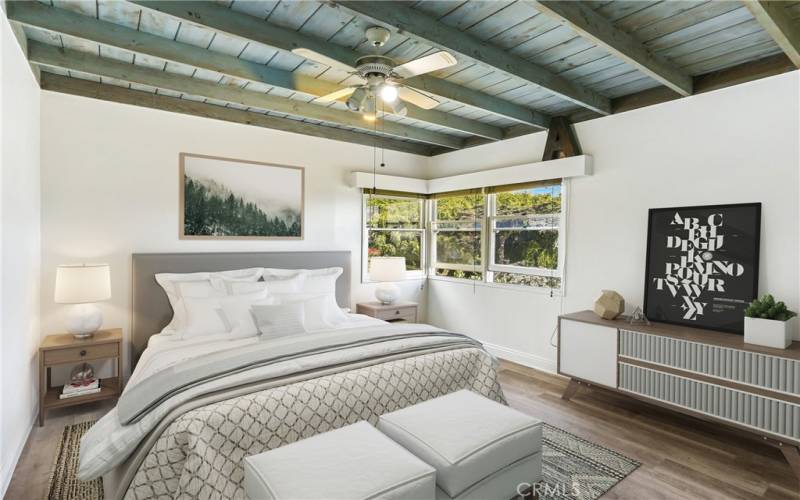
(702, 265)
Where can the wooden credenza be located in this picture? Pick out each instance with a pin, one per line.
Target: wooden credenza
(707, 374)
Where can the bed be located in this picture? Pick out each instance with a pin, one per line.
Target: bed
(194, 408)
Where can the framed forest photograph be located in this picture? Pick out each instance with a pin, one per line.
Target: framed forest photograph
(224, 198)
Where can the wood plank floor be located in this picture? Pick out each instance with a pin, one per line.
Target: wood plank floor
(32, 475)
(682, 457)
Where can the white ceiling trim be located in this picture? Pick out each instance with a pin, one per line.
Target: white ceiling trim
(574, 166)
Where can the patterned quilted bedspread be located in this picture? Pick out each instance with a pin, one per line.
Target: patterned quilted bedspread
(199, 455)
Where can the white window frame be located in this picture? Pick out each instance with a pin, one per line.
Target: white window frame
(434, 264)
(488, 267)
(492, 267)
(428, 262)
(423, 230)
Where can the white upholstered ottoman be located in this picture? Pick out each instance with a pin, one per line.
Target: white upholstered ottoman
(481, 449)
(352, 463)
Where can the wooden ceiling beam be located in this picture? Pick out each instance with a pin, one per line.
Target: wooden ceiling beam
(49, 55)
(742, 73)
(86, 28)
(592, 26)
(85, 88)
(773, 17)
(735, 75)
(223, 20)
(420, 26)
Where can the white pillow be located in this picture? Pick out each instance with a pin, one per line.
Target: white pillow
(286, 286)
(314, 280)
(272, 273)
(239, 316)
(321, 280)
(279, 320)
(321, 311)
(205, 316)
(196, 285)
(228, 287)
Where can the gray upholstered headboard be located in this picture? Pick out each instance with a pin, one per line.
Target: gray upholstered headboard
(150, 311)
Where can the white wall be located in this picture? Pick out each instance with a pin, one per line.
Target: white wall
(19, 250)
(736, 145)
(110, 188)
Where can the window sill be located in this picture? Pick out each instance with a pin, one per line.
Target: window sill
(415, 277)
(505, 286)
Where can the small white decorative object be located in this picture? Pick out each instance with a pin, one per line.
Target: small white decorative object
(82, 285)
(609, 304)
(769, 332)
(387, 270)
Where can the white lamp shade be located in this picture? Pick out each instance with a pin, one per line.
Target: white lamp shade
(82, 283)
(387, 268)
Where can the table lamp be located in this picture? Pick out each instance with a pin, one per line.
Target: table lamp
(386, 270)
(82, 285)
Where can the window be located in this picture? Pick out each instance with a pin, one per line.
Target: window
(525, 226)
(457, 235)
(507, 235)
(395, 227)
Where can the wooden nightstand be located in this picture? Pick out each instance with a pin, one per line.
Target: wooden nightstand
(67, 350)
(399, 311)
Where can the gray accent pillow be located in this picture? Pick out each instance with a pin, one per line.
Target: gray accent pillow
(279, 320)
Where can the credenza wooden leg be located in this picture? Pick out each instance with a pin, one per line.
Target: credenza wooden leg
(792, 455)
(571, 389)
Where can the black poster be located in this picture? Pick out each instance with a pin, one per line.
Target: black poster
(702, 265)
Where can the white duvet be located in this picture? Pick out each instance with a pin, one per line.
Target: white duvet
(108, 443)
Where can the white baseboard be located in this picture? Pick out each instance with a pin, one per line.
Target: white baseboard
(9, 468)
(522, 358)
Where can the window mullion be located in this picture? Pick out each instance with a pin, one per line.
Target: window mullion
(487, 237)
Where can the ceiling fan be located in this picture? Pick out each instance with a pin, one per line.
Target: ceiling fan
(381, 77)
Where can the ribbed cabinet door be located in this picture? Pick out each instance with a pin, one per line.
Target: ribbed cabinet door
(588, 352)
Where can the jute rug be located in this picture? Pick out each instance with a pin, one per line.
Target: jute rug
(574, 469)
(63, 483)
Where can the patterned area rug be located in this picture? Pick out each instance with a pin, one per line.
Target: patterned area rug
(578, 469)
(574, 469)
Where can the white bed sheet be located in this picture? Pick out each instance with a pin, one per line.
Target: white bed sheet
(171, 349)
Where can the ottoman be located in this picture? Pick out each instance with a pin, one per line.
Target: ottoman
(352, 463)
(481, 449)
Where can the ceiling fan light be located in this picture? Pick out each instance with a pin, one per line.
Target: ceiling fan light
(368, 106)
(388, 93)
(357, 99)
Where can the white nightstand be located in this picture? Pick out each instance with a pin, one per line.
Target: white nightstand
(399, 311)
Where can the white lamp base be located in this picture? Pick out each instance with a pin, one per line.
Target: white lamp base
(387, 293)
(83, 320)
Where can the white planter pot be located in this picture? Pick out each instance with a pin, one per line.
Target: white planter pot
(769, 332)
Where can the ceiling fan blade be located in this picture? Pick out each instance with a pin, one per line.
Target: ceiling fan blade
(336, 94)
(433, 62)
(323, 59)
(416, 98)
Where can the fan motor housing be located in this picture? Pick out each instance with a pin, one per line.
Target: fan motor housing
(374, 65)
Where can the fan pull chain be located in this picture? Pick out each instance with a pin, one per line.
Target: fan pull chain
(383, 131)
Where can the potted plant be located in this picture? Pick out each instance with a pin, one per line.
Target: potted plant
(769, 323)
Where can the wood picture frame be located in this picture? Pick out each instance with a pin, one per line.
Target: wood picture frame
(232, 206)
(702, 265)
